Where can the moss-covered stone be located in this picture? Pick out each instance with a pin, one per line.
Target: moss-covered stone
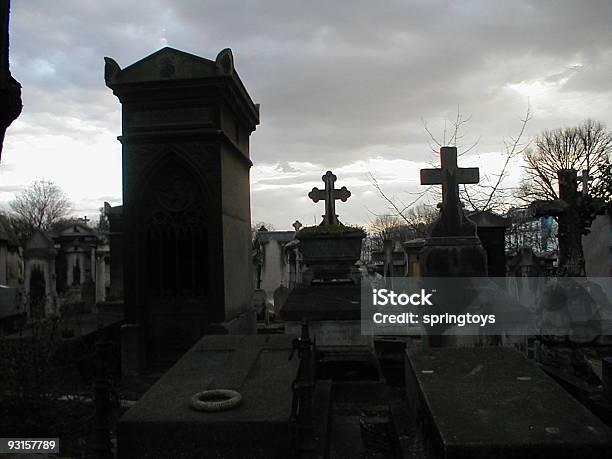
(330, 230)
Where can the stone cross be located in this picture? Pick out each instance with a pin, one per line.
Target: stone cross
(567, 212)
(452, 221)
(297, 225)
(330, 194)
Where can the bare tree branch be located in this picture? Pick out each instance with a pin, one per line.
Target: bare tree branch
(41, 205)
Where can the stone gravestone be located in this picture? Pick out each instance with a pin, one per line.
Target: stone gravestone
(329, 295)
(453, 248)
(329, 252)
(574, 212)
(186, 203)
(571, 224)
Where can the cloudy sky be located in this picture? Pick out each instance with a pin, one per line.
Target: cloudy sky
(345, 86)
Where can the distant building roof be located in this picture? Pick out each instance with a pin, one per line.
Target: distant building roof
(280, 236)
(74, 229)
(487, 219)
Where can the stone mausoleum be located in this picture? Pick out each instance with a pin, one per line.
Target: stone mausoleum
(186, 205)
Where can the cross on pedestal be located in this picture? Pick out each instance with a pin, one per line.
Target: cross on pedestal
(297, 225)
(566, 210)
(452, 221)
(330, 194)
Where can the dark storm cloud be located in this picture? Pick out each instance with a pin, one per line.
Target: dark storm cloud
(338, 82)
(332, 77)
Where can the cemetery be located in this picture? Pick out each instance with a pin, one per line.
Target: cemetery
(182, 330)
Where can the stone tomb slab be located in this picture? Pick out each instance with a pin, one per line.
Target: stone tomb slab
(162, 424)
(492, 402)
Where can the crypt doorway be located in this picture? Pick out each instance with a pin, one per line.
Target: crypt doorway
(175, 273)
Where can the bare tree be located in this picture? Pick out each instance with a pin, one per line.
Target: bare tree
(586, 147)
(389, 228)
(491, 194)
(419, 217)
(40, 205)
(451, 135)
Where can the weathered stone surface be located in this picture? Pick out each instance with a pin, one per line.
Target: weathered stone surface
(492, 402)
(162, 424)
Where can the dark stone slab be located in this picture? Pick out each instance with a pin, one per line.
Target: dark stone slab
(162, 424)
(492, 402)
(323, 302)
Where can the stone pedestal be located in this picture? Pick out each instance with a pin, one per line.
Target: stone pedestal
(330, 256)
(333, 313)
(453, 257)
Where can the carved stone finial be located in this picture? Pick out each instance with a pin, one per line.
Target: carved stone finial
(225, 62)
(111, 69)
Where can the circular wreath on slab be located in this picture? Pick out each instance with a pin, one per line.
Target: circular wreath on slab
(215, 400)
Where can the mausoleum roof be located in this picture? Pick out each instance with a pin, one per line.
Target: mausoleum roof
(169, 64)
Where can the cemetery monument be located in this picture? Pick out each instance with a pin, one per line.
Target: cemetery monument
(186, 203)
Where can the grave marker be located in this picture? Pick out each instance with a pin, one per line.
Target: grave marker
(330, 194)
(572, 225)
(452, 248)
(452, 221)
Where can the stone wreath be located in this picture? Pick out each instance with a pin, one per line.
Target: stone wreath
(208, 400)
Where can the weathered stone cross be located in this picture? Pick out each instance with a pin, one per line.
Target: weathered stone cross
(452, 221)
(330, 194)
(571, 226)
